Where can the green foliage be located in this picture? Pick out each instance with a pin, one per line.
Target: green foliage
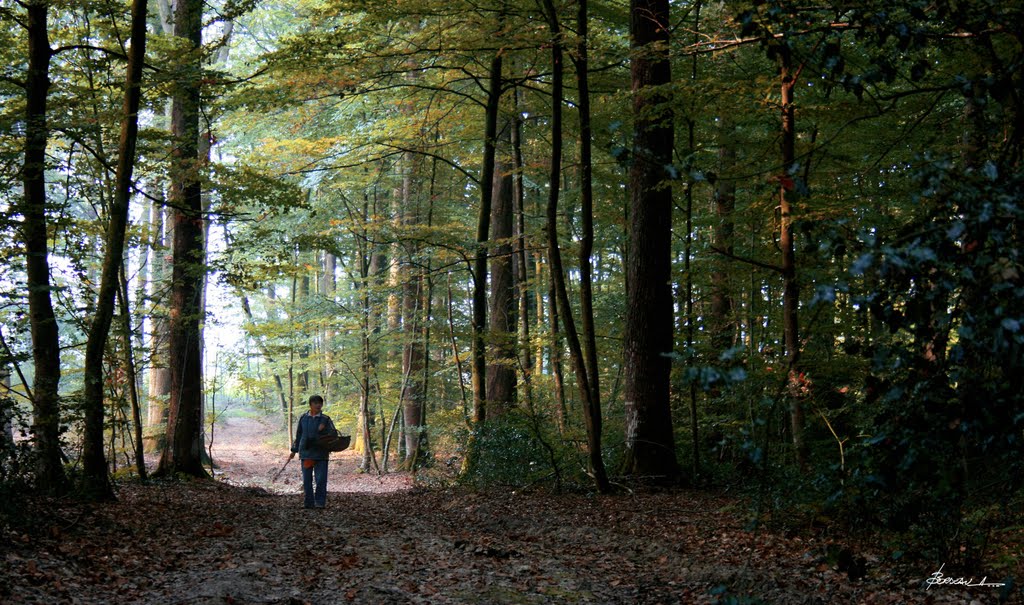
(510, 451)
(15, 464)
(948, 428)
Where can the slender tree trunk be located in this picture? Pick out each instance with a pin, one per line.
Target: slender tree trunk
(412, 367)
(424, 455)
(790, 286)
(6, 415)
(138, 330)
(94, 464)
(329, 290)
(184, 451)
(482, 237)
(375, 320)
(129, 364)
(691, 319)
(366, 384)
(555, 353)
(159, 372)
(592, 411)
(722, 324)
(455, 353)
(278, 380)
(521, 264)
(650, 444)
(369, 267)
(413, 325)
(50, 475)
(300, 302)
(158, 399)
(585, 379)
(166, 11)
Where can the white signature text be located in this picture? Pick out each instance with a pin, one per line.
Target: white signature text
(938, 578)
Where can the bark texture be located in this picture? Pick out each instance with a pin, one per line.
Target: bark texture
(650, 444)
(50, 475)
(184, 451)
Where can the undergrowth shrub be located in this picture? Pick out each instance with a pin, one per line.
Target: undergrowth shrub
(945, 389)
(516, 450)
(16, 477)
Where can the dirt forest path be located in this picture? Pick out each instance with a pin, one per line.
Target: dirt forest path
(245, 455)
(241, 540)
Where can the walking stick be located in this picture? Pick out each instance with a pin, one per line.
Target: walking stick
(278, 474)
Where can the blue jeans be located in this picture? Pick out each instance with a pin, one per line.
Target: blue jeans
(318, 497)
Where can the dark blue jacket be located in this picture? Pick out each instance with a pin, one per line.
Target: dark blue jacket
(306, 433)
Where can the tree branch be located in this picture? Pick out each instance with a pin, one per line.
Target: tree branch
(749, 261)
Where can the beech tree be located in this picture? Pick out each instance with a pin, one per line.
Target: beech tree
(94, 463)
(582, 359)
(648, 337)
(184, 449)
(45, 330)
(501, 319)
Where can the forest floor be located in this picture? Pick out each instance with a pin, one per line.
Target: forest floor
(245, 539)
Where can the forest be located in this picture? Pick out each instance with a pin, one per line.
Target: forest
(756, 256)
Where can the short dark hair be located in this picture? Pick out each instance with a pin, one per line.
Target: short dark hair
(316, 399)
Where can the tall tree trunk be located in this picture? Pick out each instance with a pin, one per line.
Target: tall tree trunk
(467, 415)
(412, 368)
(376, 276)
(301, 301)
(650, 444)
(790, 286)
(555, 352)
(159, 372)
(142, 278)
(538, 303)
(129, 364)
(184, 451)
(369, 457)
(424, 455)
(158, 399)
(329, 289)
(520, 265)
(479, 367)
(501, 370)
(94, 464)
(166, 12)
(369, 268)
(586, 377)
(413, 324)
(592, 411)
(722, 325)
(6, 413)
(691, 319)
(50, 475)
